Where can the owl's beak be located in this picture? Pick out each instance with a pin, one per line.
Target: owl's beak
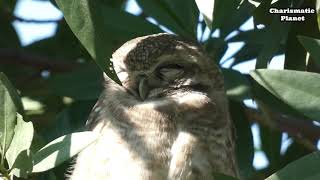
(143, 88)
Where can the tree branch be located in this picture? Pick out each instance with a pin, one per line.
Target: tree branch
(10, 56)
(36, 20)
(302, 129)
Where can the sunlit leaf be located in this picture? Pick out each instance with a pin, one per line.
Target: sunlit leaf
(61, 149)
(295, 88)
(206, 8)
(21, 141)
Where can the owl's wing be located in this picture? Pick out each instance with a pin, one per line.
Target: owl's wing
(96, 113)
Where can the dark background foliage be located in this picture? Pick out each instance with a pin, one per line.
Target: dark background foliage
(73, 85)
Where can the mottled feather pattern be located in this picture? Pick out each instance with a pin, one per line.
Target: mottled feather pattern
(181, 131)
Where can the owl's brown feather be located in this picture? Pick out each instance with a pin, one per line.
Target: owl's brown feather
(181, 131)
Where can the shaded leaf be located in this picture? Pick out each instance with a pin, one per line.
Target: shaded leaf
(295, 88)
(99, 25)
(272, 41)
(271, 145)
(250, 36)
(312, 46)
(237, 86)
(179, 16)
(236, 12)
(10, 104)
(70, 119)
(306, 168)
(294, 152)
(82, 84)
(244, 139)
(61, 149)
(219, 176)
(8, 35)
(22, 166)
(216, 48)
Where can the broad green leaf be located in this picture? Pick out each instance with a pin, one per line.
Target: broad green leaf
(271, 145)
(61, 149)
(70, 119)
(254, 36)
(306, 168)
(244, 139)
(8, 35)
(294, 152)
(298, 89)
(82, 84)
(295, 54)
(216, 48)
(237, 86)
(21, 141)
(179, 16)
(100, 25)
(318, 12)
(276, 32)
(229, 15)
(10, 104)
(206, 8)
(22, 166)
(312, 46)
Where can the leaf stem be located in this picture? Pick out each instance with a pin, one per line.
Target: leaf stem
(4, 173)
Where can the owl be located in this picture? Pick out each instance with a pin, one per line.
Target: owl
(169, 120)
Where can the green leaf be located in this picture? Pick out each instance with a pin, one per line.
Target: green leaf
(244, 139)
(254, 36)
(82, 84)
(318, 12)
(100, 25)
(237, 86)
(22, 166)
(179, 16)
(21, 141)
(216, 48)
(306, 168)
(312, 46)
(70, 119)
(298, 89)
(10, 104)
(294, 152)
(206, 9)
(61, 149)
(8, 35)
(271, 145)
(276, 32)
(219, 176)
(236, 12)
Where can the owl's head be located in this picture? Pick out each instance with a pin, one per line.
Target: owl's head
(157, 65)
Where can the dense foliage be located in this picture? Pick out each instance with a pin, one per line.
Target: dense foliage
(61, 74)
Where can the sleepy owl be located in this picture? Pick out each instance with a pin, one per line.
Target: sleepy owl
(169, 120)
